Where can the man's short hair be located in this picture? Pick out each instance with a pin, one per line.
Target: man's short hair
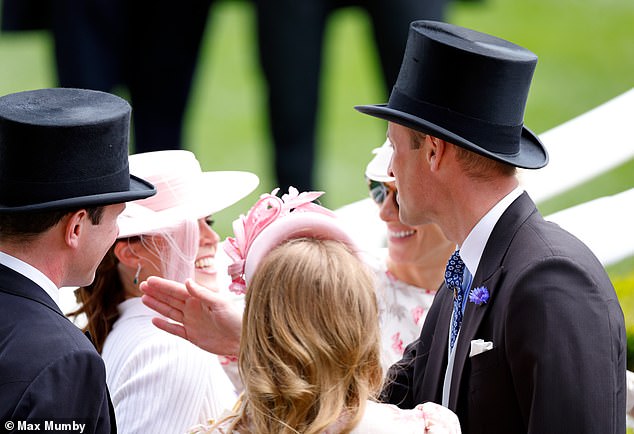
(31, 224)
(417, 138)
(472, 163)
(481, 167)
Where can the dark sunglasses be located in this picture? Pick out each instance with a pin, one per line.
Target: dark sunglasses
(380, 190)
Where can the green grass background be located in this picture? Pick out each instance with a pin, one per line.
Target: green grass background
(586, 57)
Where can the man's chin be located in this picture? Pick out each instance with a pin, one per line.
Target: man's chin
(79, 282)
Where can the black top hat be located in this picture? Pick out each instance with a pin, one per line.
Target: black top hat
(65, 148)
(468, 88)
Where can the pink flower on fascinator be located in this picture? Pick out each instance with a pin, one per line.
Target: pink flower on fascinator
(245, 229)
(266, 210)
(294, 200)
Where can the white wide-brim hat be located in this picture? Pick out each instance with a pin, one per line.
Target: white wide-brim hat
(378, 168)
(184, 191)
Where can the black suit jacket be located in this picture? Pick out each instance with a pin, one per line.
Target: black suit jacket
(48, 369)
(559, 348)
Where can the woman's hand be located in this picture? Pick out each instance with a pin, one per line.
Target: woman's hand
(200, 315)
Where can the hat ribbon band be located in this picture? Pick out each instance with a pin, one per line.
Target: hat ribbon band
(48, 191)
(493, 137)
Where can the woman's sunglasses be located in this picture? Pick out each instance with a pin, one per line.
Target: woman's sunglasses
(380, 190)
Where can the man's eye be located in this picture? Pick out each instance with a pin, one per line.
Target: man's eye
(210, 222)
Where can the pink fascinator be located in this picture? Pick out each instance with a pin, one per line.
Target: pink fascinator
(273, 220)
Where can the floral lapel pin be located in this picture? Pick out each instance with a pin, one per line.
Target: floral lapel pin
(479, 295)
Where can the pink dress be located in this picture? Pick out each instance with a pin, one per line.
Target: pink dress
(428, 418)
(387, 418)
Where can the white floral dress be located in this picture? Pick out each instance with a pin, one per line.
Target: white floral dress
(402, 309)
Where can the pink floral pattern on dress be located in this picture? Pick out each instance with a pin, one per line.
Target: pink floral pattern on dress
(402, 309)
(397, 343)
(418, 314)
(225, 360)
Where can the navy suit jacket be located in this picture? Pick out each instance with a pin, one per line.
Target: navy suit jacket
(559, 347)
(49, 370)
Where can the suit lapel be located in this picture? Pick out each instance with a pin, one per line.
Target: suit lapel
(472, 318)
(489, 273)
(437, 362)
(16, 284)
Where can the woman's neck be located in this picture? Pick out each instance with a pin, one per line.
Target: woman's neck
(127, 277)
(427, 272)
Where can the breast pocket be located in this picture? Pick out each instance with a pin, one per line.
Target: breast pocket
(491, 394)
(484, 361)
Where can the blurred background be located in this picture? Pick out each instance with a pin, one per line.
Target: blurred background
(586, 57)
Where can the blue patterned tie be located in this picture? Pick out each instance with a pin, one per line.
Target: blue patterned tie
(453, 279)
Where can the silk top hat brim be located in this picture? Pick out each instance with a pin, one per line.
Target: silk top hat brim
(65, 148)
(467, 88)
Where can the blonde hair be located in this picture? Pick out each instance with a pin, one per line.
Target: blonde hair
(310, 352)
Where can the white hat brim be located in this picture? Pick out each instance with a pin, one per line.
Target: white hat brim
(213, 192)
(378, 168)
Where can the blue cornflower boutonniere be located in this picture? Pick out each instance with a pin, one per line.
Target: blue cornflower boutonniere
(479, 295)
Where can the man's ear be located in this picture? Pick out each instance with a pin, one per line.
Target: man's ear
(435, 152)
(73, 226)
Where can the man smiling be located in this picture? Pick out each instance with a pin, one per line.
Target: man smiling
(527, 334)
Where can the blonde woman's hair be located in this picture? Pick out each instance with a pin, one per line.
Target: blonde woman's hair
(310, 350)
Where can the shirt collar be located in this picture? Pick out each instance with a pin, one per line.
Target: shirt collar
(31, 273)
(473, 246)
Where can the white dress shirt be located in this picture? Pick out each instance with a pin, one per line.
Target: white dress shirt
(31, 273)
(471, 253)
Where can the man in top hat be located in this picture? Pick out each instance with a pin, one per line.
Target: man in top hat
(63, 180)
(526, 335)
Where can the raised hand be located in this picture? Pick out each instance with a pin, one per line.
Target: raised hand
(203, 317)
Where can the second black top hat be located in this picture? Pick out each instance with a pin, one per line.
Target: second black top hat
(468, 88)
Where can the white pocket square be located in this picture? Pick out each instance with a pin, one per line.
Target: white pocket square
(480, 346)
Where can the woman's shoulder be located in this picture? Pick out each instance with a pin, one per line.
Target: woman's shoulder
(387, 418)
(381, 418)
